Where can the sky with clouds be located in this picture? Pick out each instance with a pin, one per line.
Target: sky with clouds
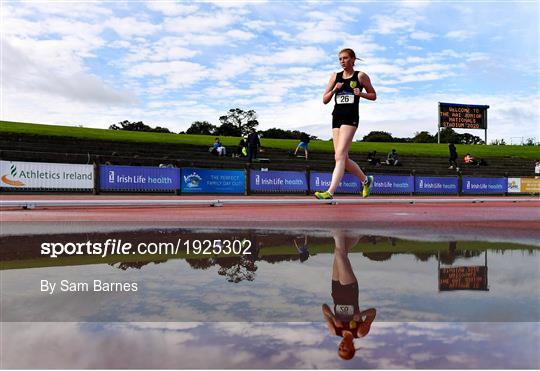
(256, 345)
(171, 63)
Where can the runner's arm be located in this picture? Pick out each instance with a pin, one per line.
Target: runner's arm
(328, 315)
(365, 325)
(365, 81)
(330, 89)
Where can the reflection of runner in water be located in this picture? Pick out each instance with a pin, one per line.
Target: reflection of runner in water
(348, 321)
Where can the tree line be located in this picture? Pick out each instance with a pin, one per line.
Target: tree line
(235, 123)
(238, 123)
(448, 135)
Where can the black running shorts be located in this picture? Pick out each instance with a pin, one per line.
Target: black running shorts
(337, 121)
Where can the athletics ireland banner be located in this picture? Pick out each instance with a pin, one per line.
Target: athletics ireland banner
(42, 175)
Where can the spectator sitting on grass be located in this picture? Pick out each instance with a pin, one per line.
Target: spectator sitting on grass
(371, 159)
(218, 149)
(241, 150)
(393, 158)
(470, 160)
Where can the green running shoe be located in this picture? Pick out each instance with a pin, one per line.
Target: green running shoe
(366, 188)
(323, 195)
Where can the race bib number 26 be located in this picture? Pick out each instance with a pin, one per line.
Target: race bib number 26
(345, 99)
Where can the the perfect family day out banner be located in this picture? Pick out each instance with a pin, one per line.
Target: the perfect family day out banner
(41, 175)
(53, 176)
(212, 181)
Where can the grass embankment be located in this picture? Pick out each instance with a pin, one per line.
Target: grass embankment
(402, 247)
(404, 149)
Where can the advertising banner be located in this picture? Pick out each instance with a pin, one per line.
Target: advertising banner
(523, 185)
(138, 178)
(42, 175)
(393, 184)
(278, 181)
(514, 185)
(484, 185)
(196, 180)
(430, 184)
(321, 182)
(530, 185)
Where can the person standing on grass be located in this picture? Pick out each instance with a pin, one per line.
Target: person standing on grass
(452, 159)
(346, 87)
(253, 144)
(304, 142)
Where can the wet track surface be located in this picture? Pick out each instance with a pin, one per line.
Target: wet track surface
(453, 286)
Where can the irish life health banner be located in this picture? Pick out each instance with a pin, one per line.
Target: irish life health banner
(484, 185)
(43, 175)
(321, 181)
(436, 185)
(393, 184)
(277, 181)
(196, 180)
(138, 178)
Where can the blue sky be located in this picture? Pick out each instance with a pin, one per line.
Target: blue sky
(171, 63)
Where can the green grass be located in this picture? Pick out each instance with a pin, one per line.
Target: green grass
(404, 149)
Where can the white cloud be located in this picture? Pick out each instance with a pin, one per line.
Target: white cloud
(387, 24)
(83, 10)
(285, 36)
(200, 23)
(171, 9)
(240, 35)
(422, 35)
(58, 75)
(259, 25)
(459, 35)
(129, 27)
(164, 49)
(177, 73)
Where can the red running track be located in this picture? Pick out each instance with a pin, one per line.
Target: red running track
(502, 220)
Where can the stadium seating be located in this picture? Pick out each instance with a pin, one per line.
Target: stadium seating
(33, 148)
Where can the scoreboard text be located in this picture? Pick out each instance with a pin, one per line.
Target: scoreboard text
(461, 116)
